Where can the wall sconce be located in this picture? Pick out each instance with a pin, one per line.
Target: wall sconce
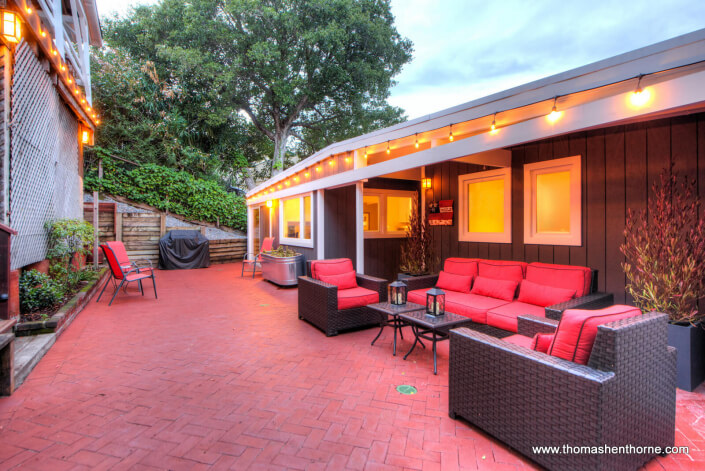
(269, 203)
(10, 26)
(426, 183)
(86, 136)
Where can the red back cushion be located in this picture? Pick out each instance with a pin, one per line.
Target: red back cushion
(345, 280)
(112, 261)
(542, 342)
(501, 269)
(336, 266)
(543, 295)
(267, 244)
(577, 330)
(561, 276)
(499, 289)
(461, 266)
(120, 252)
(453, 282)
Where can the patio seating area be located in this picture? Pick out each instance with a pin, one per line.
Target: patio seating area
(221, 372)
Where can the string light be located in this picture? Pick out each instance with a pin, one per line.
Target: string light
(388, 150)
(318, 169)
(416, 144)
(493, 127)
(307, 174)
(640, 97)
(365, 152)
(296, 179)
(450, 136)
(44, 34)
(554, 115)
(29, 10)
(331, 162)
(288, 183)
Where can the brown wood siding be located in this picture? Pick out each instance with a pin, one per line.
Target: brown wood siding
(619, 165)
(339, 215)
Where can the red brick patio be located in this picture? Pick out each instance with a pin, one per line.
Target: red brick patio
(220, 372)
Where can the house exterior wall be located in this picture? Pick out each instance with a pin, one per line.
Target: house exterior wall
(619, 166)
(339, 215)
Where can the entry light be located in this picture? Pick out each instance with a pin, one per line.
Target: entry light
(11, 28)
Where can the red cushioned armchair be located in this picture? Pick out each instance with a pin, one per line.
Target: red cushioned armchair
(335, 298)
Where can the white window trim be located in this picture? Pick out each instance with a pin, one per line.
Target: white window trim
(531, 236)
(464, 235)
(291, 241)
(382, 194)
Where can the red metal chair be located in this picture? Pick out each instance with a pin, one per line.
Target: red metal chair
(143, 266)
(124, 273)
(267, 244)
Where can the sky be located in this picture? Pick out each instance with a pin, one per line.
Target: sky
(467, 49)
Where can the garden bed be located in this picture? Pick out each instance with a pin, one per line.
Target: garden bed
(66, 313)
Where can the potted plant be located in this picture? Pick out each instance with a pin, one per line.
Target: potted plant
(417, 254)
(664, 248)
(283, 266)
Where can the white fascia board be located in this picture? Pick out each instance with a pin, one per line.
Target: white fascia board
(682, 50)
(678, 92)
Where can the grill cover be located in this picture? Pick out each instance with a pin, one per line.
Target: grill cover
(179, 250)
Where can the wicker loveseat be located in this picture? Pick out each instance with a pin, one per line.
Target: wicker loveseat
(624, 396)
(335, 298)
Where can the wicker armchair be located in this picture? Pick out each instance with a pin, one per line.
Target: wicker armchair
(625, 396)
(318, 304)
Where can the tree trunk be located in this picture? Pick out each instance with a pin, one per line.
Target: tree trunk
(280, 138)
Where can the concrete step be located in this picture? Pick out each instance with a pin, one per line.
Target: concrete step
(28, 351)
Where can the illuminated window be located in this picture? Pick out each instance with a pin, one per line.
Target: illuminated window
(552, 202)
(485, 206)
(386, 212)
(295, 222)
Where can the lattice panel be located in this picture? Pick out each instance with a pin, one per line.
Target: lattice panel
(44, 183)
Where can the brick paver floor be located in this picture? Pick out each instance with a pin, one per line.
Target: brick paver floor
(220, 372)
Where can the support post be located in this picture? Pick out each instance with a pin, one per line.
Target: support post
(250, 230)
(96, 217)
(359, 230)
(320, 225)
(162, 225)
(118, 226)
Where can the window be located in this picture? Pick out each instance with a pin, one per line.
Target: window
(552, 202)
(485, 206)
(386, 213)
(295, 222)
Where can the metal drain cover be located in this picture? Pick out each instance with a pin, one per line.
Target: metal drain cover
(406, 389)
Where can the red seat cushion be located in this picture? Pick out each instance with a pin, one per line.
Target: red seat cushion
(506, 316)
(453, 282)
(543, 295)
(561, 276)
(336, 266)
(541, 342)
(577, 330)
(493, 288)
(343, 281)
(461, 266)
(356, 297)
(464, 304)
(501, 269)
(517, 339)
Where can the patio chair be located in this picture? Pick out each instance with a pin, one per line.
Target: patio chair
(623, 393)
(256, 259)
(126, 274)
(143, 266)
(335, 298)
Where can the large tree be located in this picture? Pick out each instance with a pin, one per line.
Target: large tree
(299, 68)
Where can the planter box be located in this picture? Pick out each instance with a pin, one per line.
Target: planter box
(406, 276)
(690, 364)
(283, 271)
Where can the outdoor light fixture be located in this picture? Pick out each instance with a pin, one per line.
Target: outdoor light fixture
(28, 10)
(44, 34)
(279, 187)
(435, 302)
(11, 28)
(641, 96)
(269, 203)
(388, 150)
(493, 128)
(426, 183)
(296, 179)
(287, 183)
(396, 292)
(318, 169)
(554, 115)
(365, 152)
(307, 174)
(86, 136)
(331, 162)
(416, 144)
(450, 136)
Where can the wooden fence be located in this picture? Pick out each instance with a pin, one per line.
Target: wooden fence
(140, 232)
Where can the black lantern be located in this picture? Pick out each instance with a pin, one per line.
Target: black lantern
(435, 302)
(397, 292)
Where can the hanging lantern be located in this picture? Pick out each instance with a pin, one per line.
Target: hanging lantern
(397, 292)
(86, 135)
(10, 25)
(435, 302)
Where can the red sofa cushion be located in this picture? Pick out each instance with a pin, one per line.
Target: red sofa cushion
(461, 266)
(501, 269)
(521, 340)
(464, 304)
(453, 282)
(336, 266)
(345, 280)
(561, 276)
(495, 288)
(541, 342)
(356, 297)
(577, 330)
(543, 295)
(506, 316)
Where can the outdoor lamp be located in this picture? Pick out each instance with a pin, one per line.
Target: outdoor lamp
(397, 292)
(269, 203)
(86, 136)
(11, 29)
(435, 302)
(426, 183)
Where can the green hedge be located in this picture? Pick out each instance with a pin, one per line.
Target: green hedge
(171, 190)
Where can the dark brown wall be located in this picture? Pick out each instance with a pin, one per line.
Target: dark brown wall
(339, 215)
(619, 165)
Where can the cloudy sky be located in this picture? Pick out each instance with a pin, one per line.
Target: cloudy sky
(466, 49)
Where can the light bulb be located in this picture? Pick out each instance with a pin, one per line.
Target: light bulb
(388, 150)
(640, 97)
(450, 135)
(416, 144)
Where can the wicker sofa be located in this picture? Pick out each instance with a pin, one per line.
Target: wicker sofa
(499, 317)
(624, 396)
(332, 308)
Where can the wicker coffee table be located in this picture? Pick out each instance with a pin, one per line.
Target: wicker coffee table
(433, 328)
(390, 313)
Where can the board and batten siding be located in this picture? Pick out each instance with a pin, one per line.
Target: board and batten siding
(619, 166)
(339, 215)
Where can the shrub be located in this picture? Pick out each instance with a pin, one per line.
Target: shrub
(417, 255)
(664, 249)
(38, 292)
